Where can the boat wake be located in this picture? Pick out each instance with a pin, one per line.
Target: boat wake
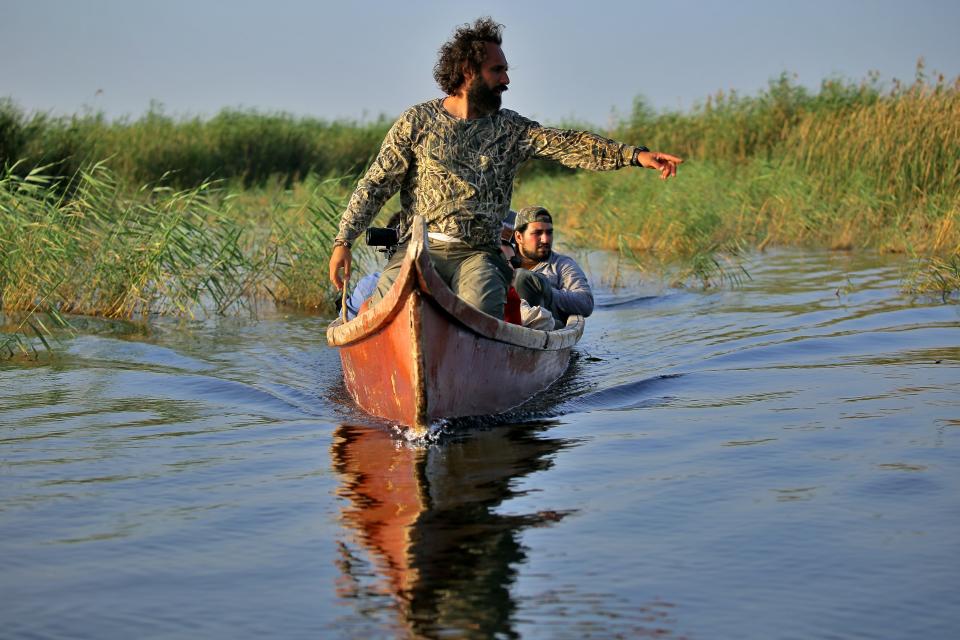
(631, 395)
(567, 397)
(434, 433)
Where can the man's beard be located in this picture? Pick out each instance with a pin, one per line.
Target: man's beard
(542, 252)
(539, 254)
(482, 98)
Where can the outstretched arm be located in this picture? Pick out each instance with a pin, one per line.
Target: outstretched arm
(585, 150)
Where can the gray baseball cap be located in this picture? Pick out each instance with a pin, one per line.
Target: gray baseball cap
(532, 214)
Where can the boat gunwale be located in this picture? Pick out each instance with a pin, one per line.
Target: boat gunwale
(418, 273)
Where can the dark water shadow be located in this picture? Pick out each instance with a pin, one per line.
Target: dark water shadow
(624, 301)
(637, 394)
(423, 539)
(577, 391)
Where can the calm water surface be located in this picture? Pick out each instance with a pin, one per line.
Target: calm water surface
(776, 461)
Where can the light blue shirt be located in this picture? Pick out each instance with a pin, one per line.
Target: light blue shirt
(363, 290)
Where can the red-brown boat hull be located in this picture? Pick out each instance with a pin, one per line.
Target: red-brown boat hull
(422, 353)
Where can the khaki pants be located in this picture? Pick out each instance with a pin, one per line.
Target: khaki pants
(479, 276)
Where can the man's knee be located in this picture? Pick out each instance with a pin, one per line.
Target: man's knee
(483, 283)
(387, 278)
(489, 299)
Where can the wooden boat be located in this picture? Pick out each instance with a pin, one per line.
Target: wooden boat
(422, 354)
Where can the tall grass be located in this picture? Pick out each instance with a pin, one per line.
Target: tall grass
(851, 166)
(732, 127)
(99, 253)
(91, 248)
(251, 147)
(939, 276)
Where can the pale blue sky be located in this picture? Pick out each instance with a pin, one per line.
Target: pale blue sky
(570, 60)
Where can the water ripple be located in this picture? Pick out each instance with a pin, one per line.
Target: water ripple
(777, 460)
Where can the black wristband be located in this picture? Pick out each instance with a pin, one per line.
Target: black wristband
(637, 151)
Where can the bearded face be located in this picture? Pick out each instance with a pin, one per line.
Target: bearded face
(482, 97)
(536, 241)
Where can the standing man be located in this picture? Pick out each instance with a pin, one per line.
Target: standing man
(546, 278)
(454, 159)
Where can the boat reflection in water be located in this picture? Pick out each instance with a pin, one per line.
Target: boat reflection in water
(442, 558)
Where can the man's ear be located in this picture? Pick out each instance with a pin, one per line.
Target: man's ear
(518, 237)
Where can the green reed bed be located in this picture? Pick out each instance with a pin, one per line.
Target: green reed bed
(714, 211)
(715, 205)
(850, 167)
(252, 147)
(103, 251)
(936, 276)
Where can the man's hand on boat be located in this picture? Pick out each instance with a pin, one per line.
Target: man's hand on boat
(665, 163)
(340, 260)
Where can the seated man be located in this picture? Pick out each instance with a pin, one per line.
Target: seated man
(546, 278)
(517, 310)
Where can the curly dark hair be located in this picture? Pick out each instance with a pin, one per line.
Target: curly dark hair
(467, 46)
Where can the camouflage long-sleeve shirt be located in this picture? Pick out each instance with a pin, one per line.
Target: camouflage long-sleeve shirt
(458, 174)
